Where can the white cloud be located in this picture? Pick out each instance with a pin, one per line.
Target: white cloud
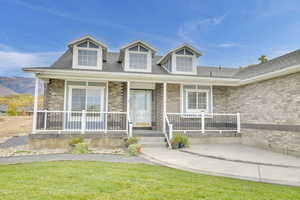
(12, 61)
(189, 30)
(228, 45)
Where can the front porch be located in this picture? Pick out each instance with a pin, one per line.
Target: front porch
(111, 107)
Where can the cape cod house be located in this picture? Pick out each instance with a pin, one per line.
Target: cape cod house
(91, 90)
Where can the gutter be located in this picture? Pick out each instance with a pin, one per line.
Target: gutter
(51, 73)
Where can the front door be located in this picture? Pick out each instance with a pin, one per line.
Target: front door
(141, 108)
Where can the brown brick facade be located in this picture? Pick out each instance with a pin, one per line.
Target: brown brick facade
(272, 102)
(117, 96)
(173, 98)
(54, 93)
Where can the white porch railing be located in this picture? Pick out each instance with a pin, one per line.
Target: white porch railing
(202, 122)
(81, 121)
(169, 131)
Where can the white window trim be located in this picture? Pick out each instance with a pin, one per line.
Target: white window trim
(174, 64)
(196, 110)
(127, 62)
(70, 87)
(75, 57)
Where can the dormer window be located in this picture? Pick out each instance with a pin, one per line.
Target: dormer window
(180, 60)
(137, 56)
(185, 61)
(87, 53)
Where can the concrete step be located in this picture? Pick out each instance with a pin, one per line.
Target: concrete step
(152, 141)
(147, 133)
(151, 144)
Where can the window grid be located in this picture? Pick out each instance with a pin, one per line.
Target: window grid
(137, 60)
(184, 63)
(87, 58)
(197, 100)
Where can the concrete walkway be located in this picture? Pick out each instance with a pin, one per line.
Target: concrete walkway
(14, 142)
(242, 153)
(213, 166)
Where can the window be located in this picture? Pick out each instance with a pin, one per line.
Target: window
(138, 57)
(87, 54)
(196, 100)
(87, 58)
(90, 99)
(137, 61)
(184, 64)
(184, 61)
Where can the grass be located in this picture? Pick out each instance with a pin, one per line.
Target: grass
(22, 151)
(109, 181)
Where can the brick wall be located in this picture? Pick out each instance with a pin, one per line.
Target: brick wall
(55, 90)
(173, 98)
(117, 97)
(270, 112)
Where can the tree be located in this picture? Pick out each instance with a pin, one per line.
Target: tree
(263, 59)
(12, 109)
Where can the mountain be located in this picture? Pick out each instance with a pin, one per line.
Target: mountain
(18, 85)
(4, 91)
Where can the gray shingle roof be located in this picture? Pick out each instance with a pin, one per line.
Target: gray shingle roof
(112, 65)
(278, 63)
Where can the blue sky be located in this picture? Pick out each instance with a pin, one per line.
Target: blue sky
(229, 33)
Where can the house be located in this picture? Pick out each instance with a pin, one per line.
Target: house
(92, 90)
(3, 109)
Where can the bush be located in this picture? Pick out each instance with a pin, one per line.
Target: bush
(134, 149)
(12, 109)
(80, 148)
(132, 140)
(75, 140)
(179, 140)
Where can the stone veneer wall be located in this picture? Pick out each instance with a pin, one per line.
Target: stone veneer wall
(117, 97)
(54, 94)
(270, 112)
(173, 98)
(158, 98)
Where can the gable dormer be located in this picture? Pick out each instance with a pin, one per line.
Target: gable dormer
(88, 53)
(137, 56)
(180, 60)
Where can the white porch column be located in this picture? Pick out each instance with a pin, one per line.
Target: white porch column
(128, 97)
(128, 107)
(164, 106)
(35, 105)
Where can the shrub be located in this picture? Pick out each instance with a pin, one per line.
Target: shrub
(134, 149)
(178, 140)
(75, 140)
(132, 140)
(80, 148)
(12, 109)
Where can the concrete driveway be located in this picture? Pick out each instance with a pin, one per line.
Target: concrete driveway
(287, 175)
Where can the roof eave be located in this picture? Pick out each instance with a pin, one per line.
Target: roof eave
(73, 42)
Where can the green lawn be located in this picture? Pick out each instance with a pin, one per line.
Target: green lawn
(99, 180)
